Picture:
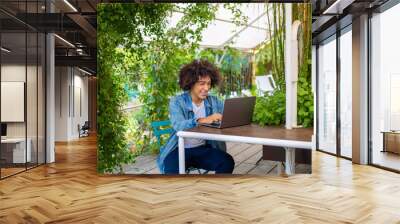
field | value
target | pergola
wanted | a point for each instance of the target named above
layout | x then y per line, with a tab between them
223	31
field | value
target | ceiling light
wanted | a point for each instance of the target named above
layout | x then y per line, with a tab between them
84	71
5	49
65	41
70	5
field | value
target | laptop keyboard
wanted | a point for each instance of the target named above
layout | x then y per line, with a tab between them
216	124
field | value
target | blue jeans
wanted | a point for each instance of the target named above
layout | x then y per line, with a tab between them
202	157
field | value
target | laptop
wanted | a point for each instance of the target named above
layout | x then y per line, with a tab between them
237	112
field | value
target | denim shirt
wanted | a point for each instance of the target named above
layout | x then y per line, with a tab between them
182	117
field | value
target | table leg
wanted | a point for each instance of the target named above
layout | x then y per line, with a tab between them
181	148
279	168
290	154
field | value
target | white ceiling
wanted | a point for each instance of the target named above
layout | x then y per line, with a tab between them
222	29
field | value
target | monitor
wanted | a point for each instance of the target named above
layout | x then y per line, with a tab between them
265	83
3	129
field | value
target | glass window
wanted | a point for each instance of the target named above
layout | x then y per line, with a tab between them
385	89
22	92
346	93
327	96
14	151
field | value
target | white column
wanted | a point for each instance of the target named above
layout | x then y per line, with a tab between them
360	90
50	94
294	70
288	63
314	90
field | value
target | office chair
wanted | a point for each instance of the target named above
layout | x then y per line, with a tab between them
84	130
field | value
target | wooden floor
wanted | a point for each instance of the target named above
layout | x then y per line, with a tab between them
246	157
10	171
70	191
387	159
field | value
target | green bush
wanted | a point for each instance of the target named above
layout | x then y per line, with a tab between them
305	103
270	109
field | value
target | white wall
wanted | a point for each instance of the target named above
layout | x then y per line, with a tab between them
34	124
9	73
71	93
16	72
62	82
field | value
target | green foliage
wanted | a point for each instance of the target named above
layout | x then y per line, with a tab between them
270	109
233	66
305	107
305	98
161	64
127	63
119	25
270	59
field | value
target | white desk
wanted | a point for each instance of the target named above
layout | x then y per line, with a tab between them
19	149
252	134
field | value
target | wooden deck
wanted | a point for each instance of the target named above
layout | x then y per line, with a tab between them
247	161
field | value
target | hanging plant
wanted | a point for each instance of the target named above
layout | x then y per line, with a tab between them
305	101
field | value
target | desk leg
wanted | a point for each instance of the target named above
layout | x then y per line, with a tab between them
290	154
279	168
181	148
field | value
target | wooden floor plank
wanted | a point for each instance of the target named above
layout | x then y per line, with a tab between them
70	191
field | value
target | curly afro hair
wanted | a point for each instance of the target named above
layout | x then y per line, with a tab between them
191	73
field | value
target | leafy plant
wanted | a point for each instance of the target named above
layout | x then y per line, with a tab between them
127	63
165	56
270	109
119	25
234	67
270	59
305	101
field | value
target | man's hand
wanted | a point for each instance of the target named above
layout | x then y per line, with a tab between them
210	119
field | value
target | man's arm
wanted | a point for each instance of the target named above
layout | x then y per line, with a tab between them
177	117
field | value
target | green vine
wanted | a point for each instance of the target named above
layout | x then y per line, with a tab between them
305	101
119	25
128	63
270	60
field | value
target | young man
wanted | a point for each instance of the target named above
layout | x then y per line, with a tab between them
193	107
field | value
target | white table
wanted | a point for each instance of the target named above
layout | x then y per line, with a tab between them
252	134
19	155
